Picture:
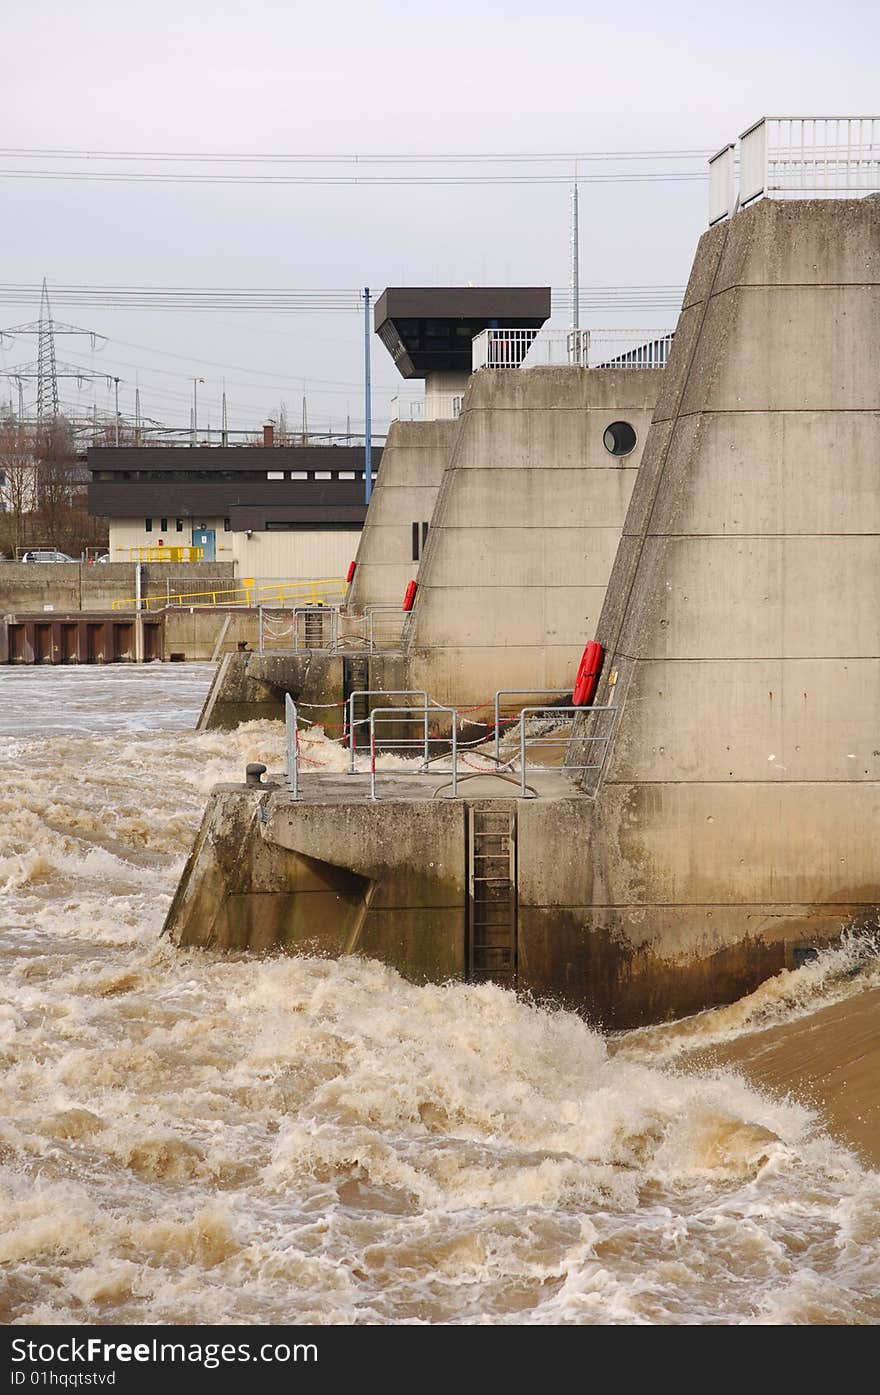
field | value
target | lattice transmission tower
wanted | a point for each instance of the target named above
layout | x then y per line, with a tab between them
47	371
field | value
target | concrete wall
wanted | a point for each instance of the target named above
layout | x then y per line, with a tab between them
413	461
260	877
741	801
525	529
31	586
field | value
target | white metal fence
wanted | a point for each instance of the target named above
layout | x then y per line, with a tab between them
796	157
501	348
584	348
441	407
621	348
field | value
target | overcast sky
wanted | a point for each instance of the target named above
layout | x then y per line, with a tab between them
353	79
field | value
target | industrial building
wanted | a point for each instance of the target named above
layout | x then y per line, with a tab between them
274	511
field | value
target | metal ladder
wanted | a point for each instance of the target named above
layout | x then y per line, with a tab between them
492	893
355	677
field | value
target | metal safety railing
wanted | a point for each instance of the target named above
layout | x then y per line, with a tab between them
620	348
498	704
438	765
550	738
542	740
329	629
501	348
580	348
291	745
361	694
165	554
796	157
247	593
437	407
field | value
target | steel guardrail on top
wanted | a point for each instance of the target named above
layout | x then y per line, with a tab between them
796	157
542	743
248	593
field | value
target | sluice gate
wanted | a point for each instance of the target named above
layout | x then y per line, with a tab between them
79	639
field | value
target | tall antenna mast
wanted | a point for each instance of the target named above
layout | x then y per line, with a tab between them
137	416
224	430
305	421
574	281
47	373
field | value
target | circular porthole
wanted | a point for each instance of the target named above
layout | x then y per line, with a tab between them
619	438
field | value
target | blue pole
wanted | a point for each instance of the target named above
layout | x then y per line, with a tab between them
368	425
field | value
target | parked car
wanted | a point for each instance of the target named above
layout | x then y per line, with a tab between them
46	554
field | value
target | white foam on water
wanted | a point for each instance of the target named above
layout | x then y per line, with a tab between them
192	1138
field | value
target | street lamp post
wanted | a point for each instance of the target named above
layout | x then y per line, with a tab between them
195	430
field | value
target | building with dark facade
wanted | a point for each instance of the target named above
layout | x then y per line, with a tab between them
285	511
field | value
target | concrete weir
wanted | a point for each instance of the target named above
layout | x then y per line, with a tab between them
735	823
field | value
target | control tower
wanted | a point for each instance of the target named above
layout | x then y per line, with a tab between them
429	330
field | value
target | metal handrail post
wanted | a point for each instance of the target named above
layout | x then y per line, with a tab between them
291	731
426	733
351	742
373	753
454	753
522	752
260	626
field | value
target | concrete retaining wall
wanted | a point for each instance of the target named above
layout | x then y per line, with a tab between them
31	586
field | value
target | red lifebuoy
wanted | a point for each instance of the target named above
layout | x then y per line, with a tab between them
587	680
352	568
410	595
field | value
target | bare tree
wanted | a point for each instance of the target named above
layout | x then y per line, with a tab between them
60	479
18	481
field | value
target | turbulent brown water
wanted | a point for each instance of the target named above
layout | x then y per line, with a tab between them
190	1138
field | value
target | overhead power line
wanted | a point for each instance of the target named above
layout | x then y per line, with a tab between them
262	300
302	158
447	181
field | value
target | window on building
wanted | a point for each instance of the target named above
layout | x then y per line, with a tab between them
299	474
148	525
346	475
323	474
227	525
163	525
419	537
179	525
274	474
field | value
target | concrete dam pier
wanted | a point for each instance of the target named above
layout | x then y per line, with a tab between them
731	825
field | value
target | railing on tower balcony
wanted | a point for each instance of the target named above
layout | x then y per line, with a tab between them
583	348
797	157
502	348
441	407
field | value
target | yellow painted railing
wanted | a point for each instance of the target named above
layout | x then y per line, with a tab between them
165	554
248	592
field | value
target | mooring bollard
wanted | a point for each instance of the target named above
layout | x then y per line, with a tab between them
253	775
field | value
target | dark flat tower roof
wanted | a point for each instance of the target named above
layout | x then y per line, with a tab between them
429	329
